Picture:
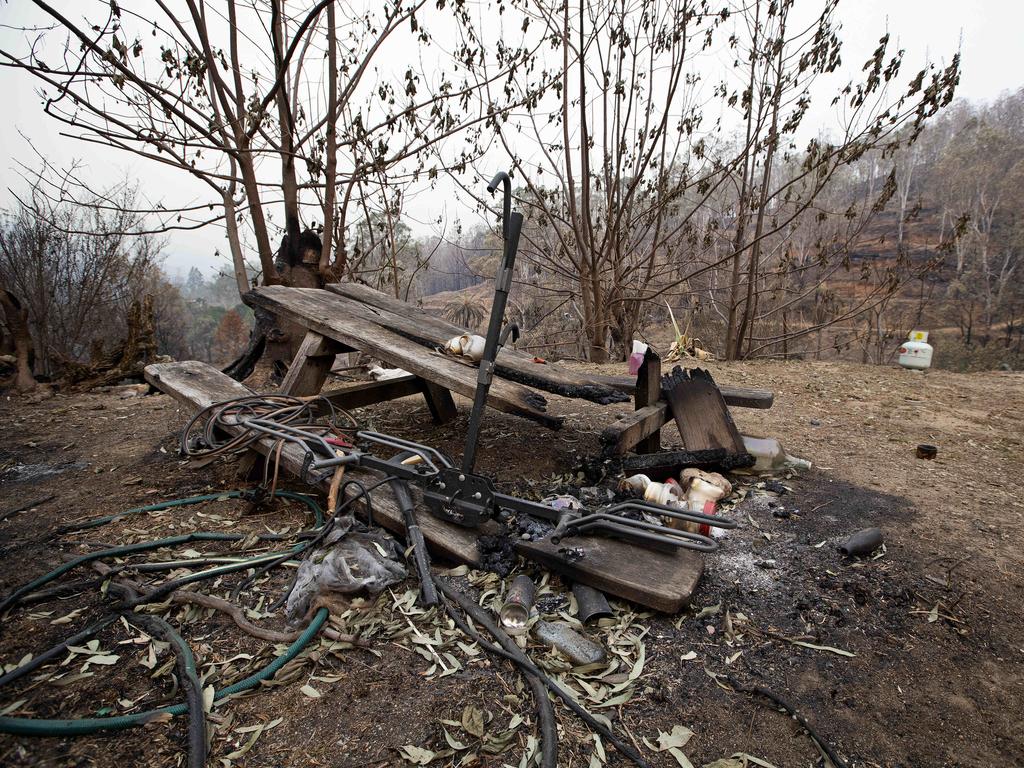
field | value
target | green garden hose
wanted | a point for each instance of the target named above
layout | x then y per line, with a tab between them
98	521
186	662
127	549
24	726
13	598
186	665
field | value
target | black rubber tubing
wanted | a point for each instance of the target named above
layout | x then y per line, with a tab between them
514	653
186	664
545	712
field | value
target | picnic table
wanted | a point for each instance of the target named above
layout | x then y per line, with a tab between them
348	317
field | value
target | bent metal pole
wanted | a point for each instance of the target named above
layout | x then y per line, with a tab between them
511	228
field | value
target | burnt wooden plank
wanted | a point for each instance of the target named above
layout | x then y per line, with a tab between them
623	434
424	328
665	464
739	397
335	318
197	385
700	411
648	392
663	581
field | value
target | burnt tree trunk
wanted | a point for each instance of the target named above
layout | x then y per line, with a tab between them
16	320
298	265
126	360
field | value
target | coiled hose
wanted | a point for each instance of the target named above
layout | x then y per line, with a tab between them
25	726
19	726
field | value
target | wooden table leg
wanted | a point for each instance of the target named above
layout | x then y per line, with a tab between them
439	401
312	363
648	392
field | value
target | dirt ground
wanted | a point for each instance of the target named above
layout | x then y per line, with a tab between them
911	658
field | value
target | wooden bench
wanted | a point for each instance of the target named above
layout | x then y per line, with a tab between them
658	580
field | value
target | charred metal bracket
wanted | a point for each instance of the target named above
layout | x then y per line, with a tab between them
460	498
468	499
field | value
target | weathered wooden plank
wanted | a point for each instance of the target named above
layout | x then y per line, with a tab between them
427	329
439	402
738	397
366	393
621	435
648	392
700	411
663	581
197	385
333	317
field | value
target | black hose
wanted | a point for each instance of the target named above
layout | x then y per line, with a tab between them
15	597
545	712
514	653
792	712
58	650
414	539
186	664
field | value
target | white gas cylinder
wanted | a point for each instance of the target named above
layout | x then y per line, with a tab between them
916	352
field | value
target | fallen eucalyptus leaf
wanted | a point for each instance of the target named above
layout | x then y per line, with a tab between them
678	737
416	755
473	721
751	759
828	648
12	707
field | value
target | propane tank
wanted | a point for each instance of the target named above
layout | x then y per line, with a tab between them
916	352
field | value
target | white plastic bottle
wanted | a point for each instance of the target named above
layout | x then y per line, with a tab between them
770	454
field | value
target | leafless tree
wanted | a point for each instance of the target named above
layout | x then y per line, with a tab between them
268	105
634	195
76	271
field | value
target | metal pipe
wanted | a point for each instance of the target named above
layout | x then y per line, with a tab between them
502	284
590	603
506	207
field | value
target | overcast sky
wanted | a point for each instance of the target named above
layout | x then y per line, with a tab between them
988	32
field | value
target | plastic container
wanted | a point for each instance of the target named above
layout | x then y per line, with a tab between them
769	454
637	484
667	494
636	357
703	492
467	345
916	352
